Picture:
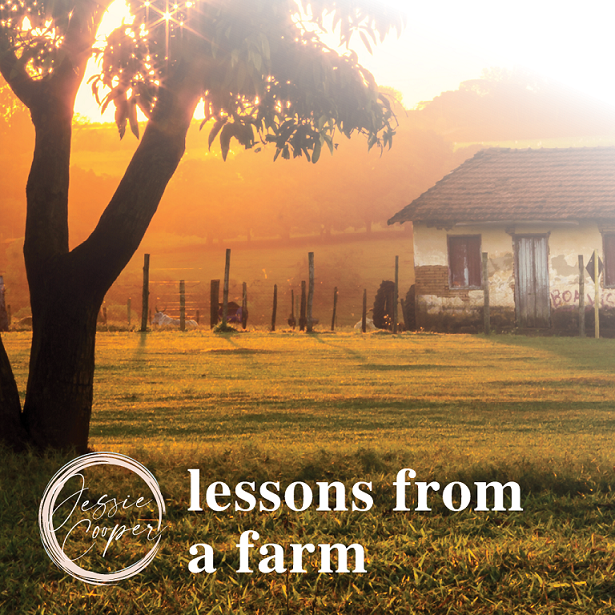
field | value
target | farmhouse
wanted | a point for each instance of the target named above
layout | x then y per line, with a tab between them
533	211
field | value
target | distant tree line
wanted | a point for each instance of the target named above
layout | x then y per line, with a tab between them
247	197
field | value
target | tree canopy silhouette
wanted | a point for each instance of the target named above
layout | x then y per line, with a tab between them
263	76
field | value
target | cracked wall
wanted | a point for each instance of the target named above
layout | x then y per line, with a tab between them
439	307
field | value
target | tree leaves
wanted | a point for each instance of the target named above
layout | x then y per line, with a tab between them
215	130
243	132
132	117
225	139
267	79
121	114
316	151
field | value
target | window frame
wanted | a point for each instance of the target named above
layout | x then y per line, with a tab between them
469	286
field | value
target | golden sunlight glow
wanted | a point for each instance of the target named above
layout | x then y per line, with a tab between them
85	105
448	42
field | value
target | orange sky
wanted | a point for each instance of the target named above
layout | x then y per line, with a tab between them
449	41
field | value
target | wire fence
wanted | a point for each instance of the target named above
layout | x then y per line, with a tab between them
289	303
269	303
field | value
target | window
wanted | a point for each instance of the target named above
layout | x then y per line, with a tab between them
609	260
464	261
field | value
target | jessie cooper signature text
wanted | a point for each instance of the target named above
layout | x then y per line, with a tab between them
105	507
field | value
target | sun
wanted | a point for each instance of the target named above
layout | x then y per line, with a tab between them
85	104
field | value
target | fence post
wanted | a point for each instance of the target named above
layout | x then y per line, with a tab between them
214	303
334	309
302	318
275	306
487	314
244	306
182	305
310	300
596	295
145	301
227	269
364	313
198	317
395	294
292	309
581	297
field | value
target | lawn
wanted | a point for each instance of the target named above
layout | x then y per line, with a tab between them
345	407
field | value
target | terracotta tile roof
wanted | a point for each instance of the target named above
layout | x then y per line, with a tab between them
530	184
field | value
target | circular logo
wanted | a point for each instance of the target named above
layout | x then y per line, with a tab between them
93	525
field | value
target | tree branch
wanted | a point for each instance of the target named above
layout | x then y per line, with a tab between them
124	222
52	107
24	87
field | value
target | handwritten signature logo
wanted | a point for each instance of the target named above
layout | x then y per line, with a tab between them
96	537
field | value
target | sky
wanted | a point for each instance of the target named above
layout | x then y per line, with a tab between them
447	42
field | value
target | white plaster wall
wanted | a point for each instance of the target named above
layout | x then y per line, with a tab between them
565	243
430	248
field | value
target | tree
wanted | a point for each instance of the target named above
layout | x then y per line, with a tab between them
262	77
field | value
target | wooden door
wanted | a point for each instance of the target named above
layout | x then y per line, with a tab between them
532	282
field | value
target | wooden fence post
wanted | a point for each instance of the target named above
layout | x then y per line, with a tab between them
292	322
214	303
310	300
487	314
334	309
596	295
364	314
302	317
244	306
145	301
581	297
198	317
227	268
182	305
275	306
395	294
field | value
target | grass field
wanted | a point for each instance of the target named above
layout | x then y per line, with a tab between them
291	407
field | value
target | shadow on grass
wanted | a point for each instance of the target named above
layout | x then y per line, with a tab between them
245	417
582	353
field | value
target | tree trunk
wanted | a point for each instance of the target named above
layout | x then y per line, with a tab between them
61	378
11	428
68	288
